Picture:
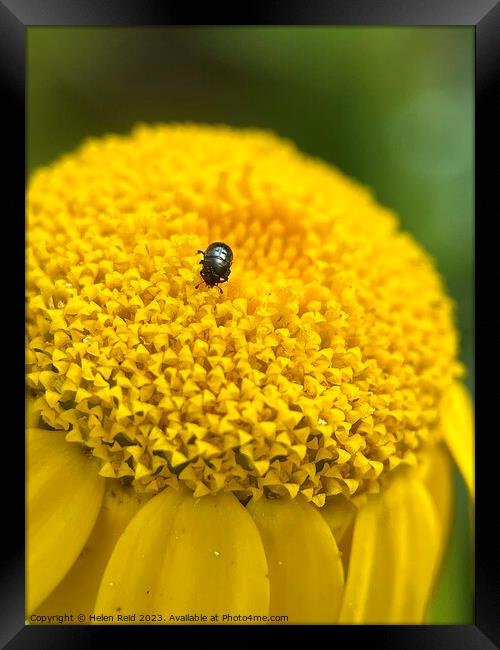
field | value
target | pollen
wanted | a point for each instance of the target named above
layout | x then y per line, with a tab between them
318	371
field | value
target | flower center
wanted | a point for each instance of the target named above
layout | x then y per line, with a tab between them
318	372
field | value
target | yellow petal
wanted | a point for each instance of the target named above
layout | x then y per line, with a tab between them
77	592
435	471
457	425
216	562
393	557
305	570
184	555
64	498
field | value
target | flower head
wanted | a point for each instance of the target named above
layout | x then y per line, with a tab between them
282	407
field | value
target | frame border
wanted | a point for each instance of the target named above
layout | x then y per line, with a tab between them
484	16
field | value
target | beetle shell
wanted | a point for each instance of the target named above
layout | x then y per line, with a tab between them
216	263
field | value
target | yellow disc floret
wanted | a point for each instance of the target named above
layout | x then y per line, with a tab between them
317	372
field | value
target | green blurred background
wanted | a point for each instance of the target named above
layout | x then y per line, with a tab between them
390	106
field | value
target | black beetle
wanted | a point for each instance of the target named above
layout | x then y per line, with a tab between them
216	264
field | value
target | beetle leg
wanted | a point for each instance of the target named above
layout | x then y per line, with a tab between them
202	252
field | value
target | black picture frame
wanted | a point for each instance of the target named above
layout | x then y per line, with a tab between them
15	17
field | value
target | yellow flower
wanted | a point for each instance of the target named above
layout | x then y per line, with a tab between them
277	451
